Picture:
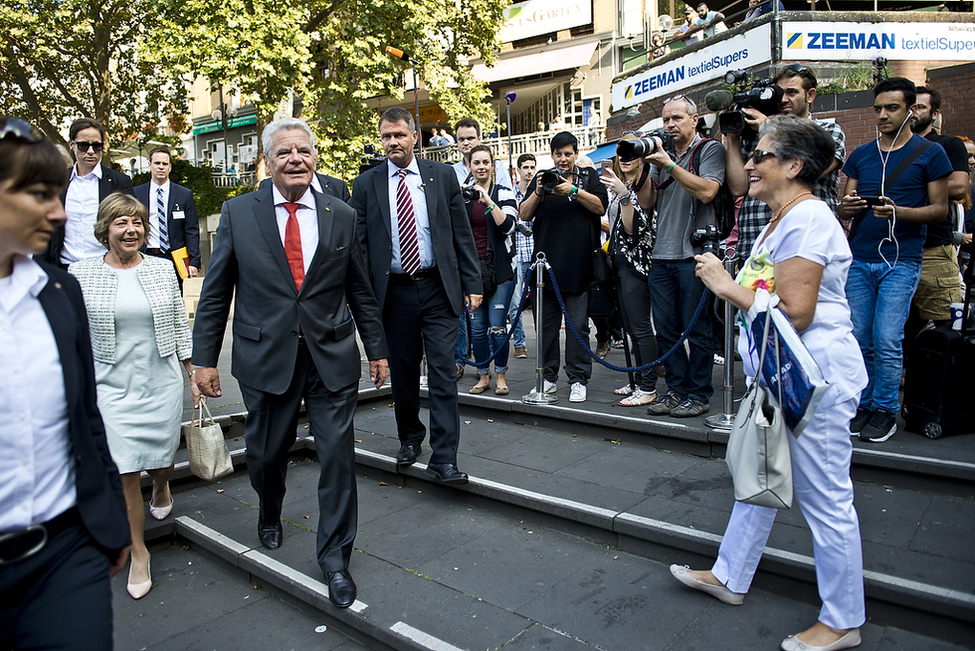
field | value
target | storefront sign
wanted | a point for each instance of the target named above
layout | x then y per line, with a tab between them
535	17
821	41
692	69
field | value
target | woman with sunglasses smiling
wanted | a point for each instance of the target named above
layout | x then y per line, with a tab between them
89	184
63	529
802	256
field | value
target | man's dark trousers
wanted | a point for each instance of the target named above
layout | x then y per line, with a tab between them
418	317
675	293
270	430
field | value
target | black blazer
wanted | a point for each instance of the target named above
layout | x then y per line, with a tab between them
182	232
110	182
450	229
269	311
100	499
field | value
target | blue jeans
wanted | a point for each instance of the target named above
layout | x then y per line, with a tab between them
675	293
460	349
519	333
489	328
880	297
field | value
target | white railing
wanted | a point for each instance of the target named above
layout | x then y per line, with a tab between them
525	143
225	180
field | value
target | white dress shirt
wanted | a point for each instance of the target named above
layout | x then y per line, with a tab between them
152	241
307	222
37	479
414	183
81	206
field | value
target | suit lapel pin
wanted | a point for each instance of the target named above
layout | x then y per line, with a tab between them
57	285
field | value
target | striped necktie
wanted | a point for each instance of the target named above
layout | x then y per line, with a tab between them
409	247
161	218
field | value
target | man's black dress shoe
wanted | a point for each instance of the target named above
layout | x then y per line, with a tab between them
446	473
341	588
270	534
407	454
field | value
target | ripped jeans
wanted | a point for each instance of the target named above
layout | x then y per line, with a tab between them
489	328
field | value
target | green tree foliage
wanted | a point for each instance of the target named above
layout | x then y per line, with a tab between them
208	198
351	64
64	59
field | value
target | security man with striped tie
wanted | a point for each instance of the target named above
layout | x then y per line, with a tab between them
419	249
173	222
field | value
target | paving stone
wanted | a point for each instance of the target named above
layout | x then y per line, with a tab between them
947	529
542	638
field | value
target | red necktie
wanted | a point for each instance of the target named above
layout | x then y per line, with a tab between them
409	248
292	244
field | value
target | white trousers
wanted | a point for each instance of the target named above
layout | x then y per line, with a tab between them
824	491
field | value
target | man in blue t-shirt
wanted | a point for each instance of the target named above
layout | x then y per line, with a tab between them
886	241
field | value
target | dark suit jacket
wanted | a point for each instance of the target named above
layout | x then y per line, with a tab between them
330	185
182	232
110	182
450	229
100	500
269	312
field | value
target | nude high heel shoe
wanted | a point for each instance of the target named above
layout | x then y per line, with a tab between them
138	590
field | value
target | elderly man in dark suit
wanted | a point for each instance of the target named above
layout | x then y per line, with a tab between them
88	185
419	248
63	527
294	260
173	222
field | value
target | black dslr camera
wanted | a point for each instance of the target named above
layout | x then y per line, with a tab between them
371	159
763	96
629	150
468	192
707	238
548	179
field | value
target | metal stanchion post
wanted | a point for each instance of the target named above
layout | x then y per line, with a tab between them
538	396
726	419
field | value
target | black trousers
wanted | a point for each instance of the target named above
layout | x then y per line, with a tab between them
578	364
270	430
417	316
60	598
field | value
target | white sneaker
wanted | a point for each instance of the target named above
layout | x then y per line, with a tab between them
550	387
577	392
718	359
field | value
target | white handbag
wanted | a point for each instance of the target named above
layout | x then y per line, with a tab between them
758	447
207	449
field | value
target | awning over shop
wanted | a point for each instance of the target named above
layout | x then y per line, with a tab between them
529	65
602	152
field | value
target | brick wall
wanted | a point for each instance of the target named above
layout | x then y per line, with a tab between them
956	83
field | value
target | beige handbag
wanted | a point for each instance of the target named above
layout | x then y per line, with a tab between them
758	447
207	449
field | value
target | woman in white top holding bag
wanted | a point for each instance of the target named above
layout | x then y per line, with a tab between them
803	257
140	337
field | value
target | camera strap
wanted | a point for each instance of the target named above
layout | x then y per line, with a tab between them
889	183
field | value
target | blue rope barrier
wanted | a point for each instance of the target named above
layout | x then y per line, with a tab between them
568	322
627	369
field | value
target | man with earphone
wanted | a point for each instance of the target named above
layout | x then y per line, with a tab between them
896	186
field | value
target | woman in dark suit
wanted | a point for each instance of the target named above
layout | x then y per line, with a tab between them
62	515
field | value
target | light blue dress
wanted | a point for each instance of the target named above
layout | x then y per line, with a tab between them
140	396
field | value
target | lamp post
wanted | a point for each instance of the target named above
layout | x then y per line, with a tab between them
406	58
221	114
508	99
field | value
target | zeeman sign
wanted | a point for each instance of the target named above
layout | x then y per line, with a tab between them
858	41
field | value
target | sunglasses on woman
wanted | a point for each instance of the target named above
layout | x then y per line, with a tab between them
760	154
86	146
21	130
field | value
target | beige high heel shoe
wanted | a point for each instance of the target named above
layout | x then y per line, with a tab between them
138	590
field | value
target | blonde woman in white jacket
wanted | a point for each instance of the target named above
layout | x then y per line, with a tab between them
139	336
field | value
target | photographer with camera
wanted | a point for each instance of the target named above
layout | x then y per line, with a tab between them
798	84
685	227
566	204
493	212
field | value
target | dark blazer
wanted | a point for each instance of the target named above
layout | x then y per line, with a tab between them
100	499
450	229
269	312
182	232
330	185
110	182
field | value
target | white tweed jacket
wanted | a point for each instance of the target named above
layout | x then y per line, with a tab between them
99	285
